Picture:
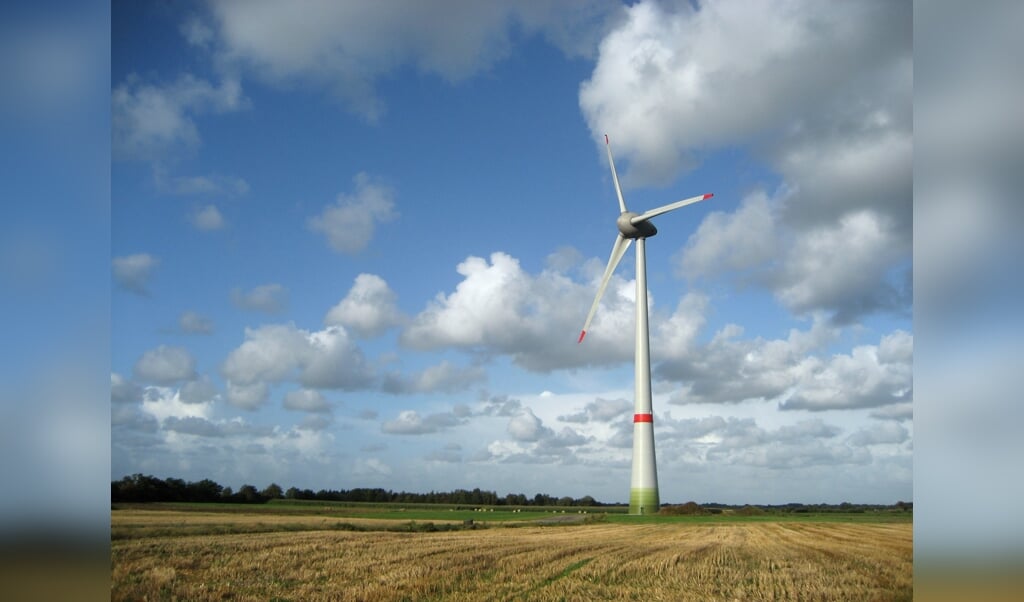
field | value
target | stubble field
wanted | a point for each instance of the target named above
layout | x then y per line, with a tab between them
189	555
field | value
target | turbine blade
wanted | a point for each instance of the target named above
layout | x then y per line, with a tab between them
643	217
618	250
615	176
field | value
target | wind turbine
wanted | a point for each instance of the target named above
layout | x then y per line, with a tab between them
643	487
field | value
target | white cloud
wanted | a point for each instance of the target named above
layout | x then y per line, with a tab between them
870	376
165	365
880	434
123	390
349	223
852	266
843	267
249	396
601	410
165	402
345	47
736	241
200	390
500	309
208	219
150	121
822	93
442	378
673	79
525	426
306	400
132	272
192	425
898	412
194	323
267	298
326	359
729	369
368	309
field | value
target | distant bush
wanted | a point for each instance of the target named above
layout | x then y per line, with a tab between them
687	509
750	511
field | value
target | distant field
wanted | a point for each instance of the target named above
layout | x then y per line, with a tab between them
282	552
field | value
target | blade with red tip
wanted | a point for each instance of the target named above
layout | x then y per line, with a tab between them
646	215
618	250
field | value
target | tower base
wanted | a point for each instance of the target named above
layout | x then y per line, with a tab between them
644	501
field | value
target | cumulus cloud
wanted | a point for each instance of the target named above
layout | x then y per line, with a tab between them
132	272
267	298
738	241
730	369
368	309
191	322
208	219
884	433
525	426
349	223
899	412
870	376
500	309
674	78
600	410
844	267
324	359
442	378
192	425
501	405
732	441
853	266
164	402
151	121
200	390
250	396
410	422
345	48
165	365
123	390
532	442
306	400
832	115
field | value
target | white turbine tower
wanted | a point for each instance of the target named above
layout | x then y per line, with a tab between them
643	488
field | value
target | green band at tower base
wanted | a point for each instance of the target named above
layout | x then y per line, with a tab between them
644	501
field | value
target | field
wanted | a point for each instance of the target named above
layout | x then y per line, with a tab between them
330	553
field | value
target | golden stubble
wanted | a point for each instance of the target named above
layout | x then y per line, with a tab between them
730	561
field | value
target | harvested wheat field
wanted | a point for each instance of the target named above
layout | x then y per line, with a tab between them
783	560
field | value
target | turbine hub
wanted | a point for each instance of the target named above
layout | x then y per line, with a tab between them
644	229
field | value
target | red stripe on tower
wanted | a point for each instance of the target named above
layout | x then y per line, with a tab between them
643	417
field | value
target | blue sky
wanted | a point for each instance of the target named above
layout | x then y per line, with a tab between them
354	247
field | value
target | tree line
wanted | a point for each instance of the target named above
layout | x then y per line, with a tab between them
146	488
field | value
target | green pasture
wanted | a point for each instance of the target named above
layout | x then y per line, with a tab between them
494	514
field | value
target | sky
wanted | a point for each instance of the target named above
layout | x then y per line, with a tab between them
353	245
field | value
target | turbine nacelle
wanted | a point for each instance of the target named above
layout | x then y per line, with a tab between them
634	228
